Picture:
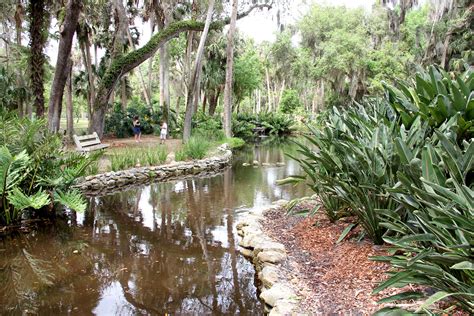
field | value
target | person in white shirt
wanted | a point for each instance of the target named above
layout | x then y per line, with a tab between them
163	132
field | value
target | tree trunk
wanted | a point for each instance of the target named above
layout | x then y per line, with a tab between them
269	93
69	106
19	76
73	8
39	23
194	80
204	101
123	93
213	102
229	72
140	75
164	83
90	76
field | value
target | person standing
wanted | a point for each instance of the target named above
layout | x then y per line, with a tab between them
137	129
163	132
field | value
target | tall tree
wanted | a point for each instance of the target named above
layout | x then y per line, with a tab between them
69	105
229	72
123	64
68	28
194	80
39	23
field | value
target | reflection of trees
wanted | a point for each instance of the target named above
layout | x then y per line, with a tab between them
176	265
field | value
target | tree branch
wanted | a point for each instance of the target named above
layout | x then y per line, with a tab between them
126	63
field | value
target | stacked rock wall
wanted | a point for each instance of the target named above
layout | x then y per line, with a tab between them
269	258
104	183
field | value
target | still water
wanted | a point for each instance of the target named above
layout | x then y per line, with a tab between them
156	249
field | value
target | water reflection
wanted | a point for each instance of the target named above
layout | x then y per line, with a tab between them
161	248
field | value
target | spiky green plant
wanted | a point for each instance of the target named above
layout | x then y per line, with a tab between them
35	171
436	96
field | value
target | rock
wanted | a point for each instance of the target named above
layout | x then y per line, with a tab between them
271	256
277	292
266	244
250	240
255	163
280	164
246	252
245	164
266	164
283	307
269	276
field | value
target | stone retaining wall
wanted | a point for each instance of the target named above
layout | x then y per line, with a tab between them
105	183
269	258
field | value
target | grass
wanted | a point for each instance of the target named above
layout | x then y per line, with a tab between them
195	148
127	158
235	142
79	125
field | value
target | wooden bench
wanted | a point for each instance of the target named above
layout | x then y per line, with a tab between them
89	143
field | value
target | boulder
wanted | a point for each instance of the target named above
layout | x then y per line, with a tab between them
271	256
283	308
269	276
277	292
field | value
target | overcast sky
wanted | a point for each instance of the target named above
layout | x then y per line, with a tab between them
259	25
262	26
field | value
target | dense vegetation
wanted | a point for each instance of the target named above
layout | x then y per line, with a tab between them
35	172
404	166
391	136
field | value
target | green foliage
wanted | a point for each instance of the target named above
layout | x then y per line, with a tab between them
289	101
247	74
235	142
243	125
35	172
433	246
436	98
196	148
130	158
10	92
408	177
207	127
276	123
120	123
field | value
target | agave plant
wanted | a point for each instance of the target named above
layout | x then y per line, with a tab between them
433	245
435	97
35	172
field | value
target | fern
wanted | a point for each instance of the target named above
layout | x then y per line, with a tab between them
72	199
21	201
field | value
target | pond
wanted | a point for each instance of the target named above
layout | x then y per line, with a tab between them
160	248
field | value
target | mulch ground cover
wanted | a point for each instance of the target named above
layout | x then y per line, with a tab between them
340	276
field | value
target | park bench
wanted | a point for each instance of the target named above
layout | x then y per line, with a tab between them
89	143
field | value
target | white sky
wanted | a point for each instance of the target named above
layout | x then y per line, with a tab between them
262	26
259	25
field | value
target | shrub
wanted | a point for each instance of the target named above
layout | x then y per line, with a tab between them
195	148
436	98
243	129
289	101
119	122
235	142
404	167
35	172
277	123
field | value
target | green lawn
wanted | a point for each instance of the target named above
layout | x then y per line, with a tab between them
79	125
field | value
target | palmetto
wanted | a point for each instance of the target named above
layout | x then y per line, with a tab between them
35	172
